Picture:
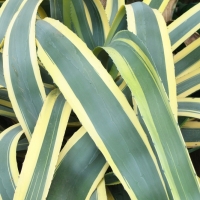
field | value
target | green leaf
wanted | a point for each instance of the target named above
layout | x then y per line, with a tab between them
39	164
184	26
22	74
7	11
95	89
157	4
112	7
187	60
134	63
150	27
79	169
8	168
189	107
188	83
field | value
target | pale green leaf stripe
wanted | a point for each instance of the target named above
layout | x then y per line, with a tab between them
79	165
150	27
7	11
188	85
22	75
191	134
189	57
189	107
2	80
184	26
38	168
66	58
128	53
112	7
157	4
8	167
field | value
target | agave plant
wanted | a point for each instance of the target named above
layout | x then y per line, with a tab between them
89	99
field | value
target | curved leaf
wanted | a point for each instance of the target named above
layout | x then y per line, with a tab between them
187	60
184	26
39	164
95	89
189	107
8	168
150	27
134	64
80	165
22	74
112	7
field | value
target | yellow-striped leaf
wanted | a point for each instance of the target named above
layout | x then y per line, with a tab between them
184	26
133	62
188	83
157	4
112	7
80	165
189	107
8	167
39	165
22	74
7	11
187	60
87	86
150	27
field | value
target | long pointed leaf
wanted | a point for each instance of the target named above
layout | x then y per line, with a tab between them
130	56
114	127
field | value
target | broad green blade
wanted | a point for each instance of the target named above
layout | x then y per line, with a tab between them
7	11
65	57
188	83
157	4
111	179
184	26
112	7
22	74
39	165
2	80
8	169
187	60
189	107
150	27
134	64
80	165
